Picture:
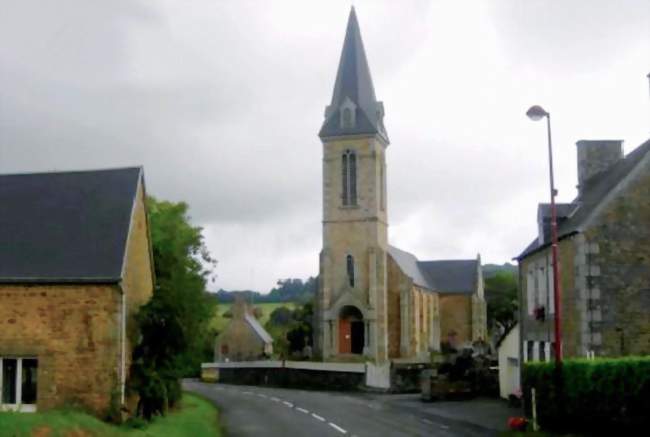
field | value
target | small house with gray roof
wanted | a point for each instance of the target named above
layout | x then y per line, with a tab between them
244	338
604	259
75	266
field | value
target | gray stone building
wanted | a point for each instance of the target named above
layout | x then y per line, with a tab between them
604	248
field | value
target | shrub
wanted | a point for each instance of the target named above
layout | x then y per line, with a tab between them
603	395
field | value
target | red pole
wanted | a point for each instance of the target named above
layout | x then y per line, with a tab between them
554	251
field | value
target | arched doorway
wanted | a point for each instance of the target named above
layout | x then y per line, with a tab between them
351	331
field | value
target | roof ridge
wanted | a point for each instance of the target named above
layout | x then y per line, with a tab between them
53	172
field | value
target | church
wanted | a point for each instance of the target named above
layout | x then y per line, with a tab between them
375	301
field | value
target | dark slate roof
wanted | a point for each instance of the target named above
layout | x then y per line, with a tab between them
353	81
592	194
452	276
411	267
67	227
444	276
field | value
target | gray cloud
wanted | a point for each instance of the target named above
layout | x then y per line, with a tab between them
221	102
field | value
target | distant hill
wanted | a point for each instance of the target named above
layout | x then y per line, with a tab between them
288	290
490	270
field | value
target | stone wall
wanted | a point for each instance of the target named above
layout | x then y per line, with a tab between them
618	292
359	231
456	317
73	331
543	330
397	281
294	378
138	278
413	316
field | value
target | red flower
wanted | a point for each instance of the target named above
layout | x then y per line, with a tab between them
517	423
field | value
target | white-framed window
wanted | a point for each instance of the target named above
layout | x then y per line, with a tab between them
541	286
349	178
530	291
18	383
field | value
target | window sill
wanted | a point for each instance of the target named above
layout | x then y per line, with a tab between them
349	207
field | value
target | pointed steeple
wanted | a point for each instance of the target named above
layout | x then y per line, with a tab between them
354	108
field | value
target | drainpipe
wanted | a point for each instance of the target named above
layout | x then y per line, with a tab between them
123	347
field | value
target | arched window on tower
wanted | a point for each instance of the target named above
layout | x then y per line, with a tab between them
349	178
350	268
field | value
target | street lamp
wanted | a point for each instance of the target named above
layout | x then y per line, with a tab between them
536	113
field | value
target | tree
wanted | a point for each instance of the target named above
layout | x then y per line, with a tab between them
291	330
501	292
175	337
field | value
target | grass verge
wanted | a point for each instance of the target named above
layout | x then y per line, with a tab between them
195	417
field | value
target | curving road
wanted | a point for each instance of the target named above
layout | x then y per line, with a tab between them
274	412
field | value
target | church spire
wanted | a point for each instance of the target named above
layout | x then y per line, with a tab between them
354	108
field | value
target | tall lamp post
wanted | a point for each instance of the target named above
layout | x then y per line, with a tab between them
536	113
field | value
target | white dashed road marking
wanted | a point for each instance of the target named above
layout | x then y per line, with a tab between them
427	421
444	427
302	410
338	428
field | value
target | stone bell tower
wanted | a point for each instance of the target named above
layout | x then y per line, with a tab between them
351	303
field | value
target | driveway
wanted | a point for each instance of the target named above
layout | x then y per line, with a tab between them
265	411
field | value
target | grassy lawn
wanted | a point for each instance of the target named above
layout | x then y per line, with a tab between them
220	322
196	417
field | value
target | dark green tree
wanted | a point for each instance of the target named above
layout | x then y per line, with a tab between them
175	337
501	291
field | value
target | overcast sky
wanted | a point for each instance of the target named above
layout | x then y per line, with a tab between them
221	101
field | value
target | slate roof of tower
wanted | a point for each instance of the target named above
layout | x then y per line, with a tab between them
444	276
594	192
65	227
353	81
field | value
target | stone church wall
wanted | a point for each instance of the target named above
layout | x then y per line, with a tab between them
456	318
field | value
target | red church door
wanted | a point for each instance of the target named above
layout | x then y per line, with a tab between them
345	336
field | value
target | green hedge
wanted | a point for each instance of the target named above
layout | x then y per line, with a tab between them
596	396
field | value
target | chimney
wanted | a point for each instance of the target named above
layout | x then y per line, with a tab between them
596	156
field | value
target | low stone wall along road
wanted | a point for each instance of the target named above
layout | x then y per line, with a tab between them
275	412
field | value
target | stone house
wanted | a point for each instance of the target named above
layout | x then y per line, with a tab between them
604	250
244	339
75	265
375	300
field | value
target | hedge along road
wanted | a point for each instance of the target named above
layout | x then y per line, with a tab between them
274	412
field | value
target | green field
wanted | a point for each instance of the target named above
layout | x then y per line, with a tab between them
219	322
195	417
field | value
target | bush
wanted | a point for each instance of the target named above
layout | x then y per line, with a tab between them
596	396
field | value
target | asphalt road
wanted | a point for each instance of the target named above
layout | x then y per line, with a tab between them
274	412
